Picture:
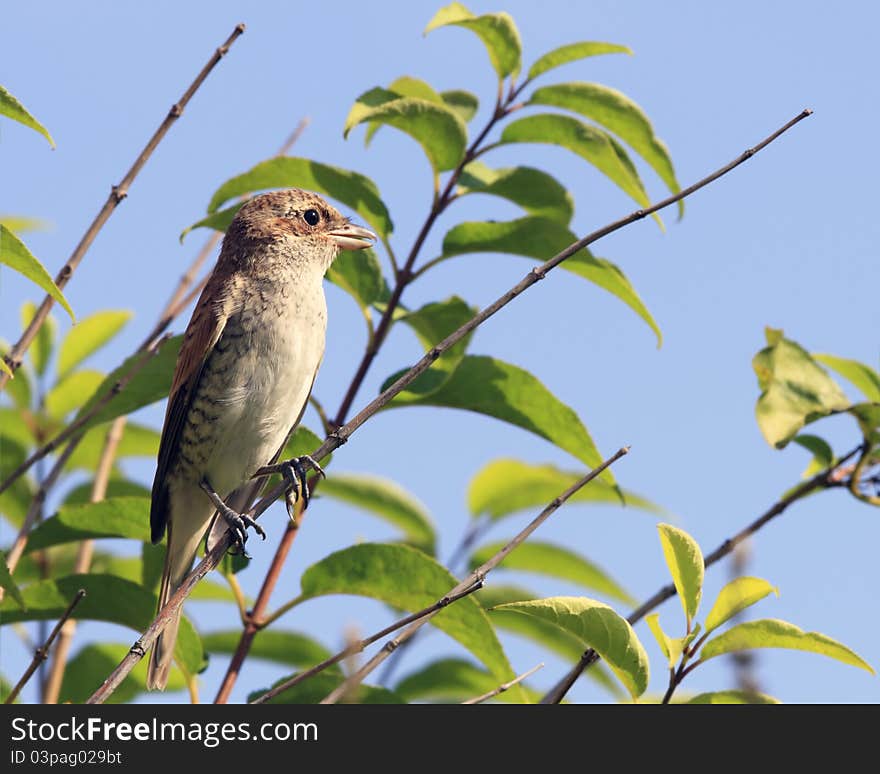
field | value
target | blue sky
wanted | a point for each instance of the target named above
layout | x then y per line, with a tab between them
789	240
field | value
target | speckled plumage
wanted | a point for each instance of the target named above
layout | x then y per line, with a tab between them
246	367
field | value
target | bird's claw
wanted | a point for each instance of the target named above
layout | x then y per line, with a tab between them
294	472
238	522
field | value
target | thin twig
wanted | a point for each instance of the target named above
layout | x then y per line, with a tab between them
42	653
117	194
476	576
341	436
504	686
83	560
825	479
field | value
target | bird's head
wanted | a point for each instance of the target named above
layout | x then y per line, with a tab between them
301	220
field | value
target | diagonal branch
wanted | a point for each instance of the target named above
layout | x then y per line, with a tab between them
504	686
117	194
341	435
825	479
475	577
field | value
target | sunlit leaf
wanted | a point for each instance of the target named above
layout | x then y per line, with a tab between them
862	376
541	239
71	392
672	647
507	486
119	517
571	53
436	127
283	647
556	562
823	454
88	336
7	583
795	390
12	108
406	86
588	142
350	188
617	113
733	697
21	223
453	680
19	387
17	257
685	562
535	191
315	688
388	501
40	350
598	627
462	102
497	31
497	389
735	597
108	598
773	633
359	274
410	580
137	441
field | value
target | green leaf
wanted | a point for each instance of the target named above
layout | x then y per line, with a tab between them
598	627
86	670
219	221
735	597
410	580
108	598
437	128
22	223
137	441
432	323
617	113
151	382
795	390
535	191
555	562
7	583
406	86
685	562
12	108
773	633
19	386
462	102
16	500
303	441
315	688
359	274
350	188
388	501
571	53
17	257
41	347
672	647
451	680
588	142
542	632
823	454
497	31
88	336
117	517
71	392
862	376
507	486
733	697
541	239
282	647
497	389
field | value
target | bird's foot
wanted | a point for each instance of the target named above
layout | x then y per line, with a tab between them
238	522
294	473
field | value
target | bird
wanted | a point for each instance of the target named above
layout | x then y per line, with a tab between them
244	373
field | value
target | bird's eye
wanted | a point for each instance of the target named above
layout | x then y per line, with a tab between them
312	217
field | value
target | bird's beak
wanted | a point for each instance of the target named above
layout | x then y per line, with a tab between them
350	237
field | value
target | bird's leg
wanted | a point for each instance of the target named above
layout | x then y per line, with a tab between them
294	473
238	522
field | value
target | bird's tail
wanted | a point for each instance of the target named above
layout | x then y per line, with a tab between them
183	544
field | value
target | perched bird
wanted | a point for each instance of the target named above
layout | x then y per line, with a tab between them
246	367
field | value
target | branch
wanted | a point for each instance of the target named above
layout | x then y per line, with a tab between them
504	686
341	436
42	653
359	646
476	576
117	194
83	560
826	479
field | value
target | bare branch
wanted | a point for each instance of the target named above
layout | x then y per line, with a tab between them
826	479
117	194
42	653
504	686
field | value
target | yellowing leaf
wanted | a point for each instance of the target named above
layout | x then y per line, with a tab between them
685	562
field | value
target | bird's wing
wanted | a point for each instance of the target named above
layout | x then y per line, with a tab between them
202	333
